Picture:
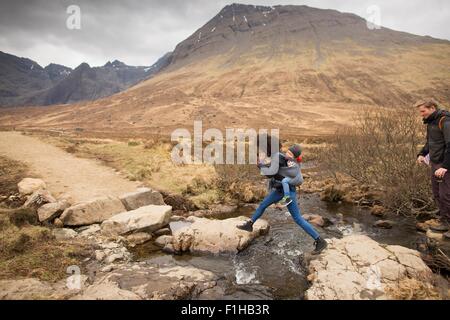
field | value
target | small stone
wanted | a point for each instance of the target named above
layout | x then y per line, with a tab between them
29	185
107	268
435	235
52	210
422	226
114	257
378	211
64	234
384	224
58	223
99	255
38	199
161	241
138	238
162	232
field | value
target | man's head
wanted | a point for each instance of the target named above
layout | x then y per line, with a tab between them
426	108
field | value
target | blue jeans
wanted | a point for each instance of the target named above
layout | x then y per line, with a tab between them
275	196
285	184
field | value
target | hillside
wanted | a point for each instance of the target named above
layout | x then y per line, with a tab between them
298	68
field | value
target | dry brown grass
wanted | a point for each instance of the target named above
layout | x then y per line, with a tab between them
28	250
11	172
380	151
413	289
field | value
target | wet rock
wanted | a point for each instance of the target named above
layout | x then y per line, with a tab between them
38	199
52	210
216	236
29	185
314	219
378	211
384	224
94	211
138	238
148	219
162	241
141	198
64	234
162	232
357	267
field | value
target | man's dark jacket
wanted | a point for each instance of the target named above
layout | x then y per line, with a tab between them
438	138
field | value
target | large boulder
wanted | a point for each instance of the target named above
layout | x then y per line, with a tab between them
216	236
94	211
141	198
147	219
357	267
29	185
52	210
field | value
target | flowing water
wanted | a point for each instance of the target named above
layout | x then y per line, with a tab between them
272	266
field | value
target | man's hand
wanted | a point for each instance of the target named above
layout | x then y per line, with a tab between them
439	173
420	159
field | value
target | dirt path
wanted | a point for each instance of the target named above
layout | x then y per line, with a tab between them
81	179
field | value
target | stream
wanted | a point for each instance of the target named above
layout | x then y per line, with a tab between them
271	267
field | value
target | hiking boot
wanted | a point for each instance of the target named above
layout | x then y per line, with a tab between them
285	201
320	244
442	227
247	226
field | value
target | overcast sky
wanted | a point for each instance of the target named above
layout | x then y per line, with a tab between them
138	32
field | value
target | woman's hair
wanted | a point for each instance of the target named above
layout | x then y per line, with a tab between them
267	145
427	104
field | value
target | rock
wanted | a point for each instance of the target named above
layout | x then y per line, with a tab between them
138	238
39	198
446	235
385	224
357	267
58	223
29	185
134	281
90	230
162	241
99	255
148	219
377	211
49	211
64	234
106	291
422	226
24	289
177	218
116	256
141	198
314	219
107	268
438	236
162	232
94	211
216	236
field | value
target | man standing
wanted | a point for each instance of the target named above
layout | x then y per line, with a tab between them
438	148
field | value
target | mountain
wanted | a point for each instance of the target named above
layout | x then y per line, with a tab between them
24	82
302	69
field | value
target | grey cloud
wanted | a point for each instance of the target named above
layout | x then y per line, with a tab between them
139	32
